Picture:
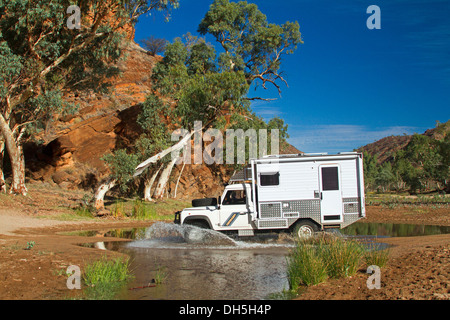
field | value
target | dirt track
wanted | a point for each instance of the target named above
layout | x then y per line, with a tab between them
418	268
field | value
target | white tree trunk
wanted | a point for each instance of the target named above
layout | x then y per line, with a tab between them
16	158
178	181
163	179
101	191
148	185
176	147
2	176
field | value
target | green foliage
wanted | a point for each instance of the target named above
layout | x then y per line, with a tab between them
85	212
305	267
370	169
342	257
207	86
194	83
105	270
149	118
377	257
252	121
161	275
385	176
10	67
141	211
251	44
122	166
105	277
213	88
188	76
30	245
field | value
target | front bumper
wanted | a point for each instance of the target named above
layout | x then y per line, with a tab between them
177	219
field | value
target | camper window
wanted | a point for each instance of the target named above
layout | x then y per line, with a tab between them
330	178
269	179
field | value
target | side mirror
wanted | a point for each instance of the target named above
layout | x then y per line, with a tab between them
219	202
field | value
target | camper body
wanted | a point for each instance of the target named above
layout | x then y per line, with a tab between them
300	193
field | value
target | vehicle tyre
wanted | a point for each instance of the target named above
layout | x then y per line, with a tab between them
304	229
195	235
204	202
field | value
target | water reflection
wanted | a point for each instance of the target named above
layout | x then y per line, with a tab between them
393	230
202	274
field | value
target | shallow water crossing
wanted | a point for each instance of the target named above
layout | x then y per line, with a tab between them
197	264
200	264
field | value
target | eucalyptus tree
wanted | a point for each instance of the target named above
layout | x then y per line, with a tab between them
194	83
41	57
206	86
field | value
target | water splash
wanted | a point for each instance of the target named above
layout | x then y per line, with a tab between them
167	235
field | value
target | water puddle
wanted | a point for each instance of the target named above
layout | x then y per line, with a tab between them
200	264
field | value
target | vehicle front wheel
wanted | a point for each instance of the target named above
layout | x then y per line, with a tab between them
305	229
198	223
196	234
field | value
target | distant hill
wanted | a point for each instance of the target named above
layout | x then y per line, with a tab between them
385	148
418	162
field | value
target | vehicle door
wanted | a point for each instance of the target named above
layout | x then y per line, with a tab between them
330	193
234	213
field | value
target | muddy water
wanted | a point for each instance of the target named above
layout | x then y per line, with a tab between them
204	266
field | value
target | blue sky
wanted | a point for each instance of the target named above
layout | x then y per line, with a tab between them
348	85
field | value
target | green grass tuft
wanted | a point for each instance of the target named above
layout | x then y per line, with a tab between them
106	271
314	261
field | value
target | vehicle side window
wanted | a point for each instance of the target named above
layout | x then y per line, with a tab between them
234	197
269	179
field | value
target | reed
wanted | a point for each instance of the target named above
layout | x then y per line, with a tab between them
305	267
377	257
318	259
107	271
342	257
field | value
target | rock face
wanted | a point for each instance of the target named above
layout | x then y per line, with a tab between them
73	147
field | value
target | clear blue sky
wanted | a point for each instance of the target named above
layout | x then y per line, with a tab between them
348	85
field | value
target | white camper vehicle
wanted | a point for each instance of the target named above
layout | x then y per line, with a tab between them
298	193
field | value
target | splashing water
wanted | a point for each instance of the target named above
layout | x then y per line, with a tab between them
167	235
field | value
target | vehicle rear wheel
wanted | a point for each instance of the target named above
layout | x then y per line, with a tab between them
304	229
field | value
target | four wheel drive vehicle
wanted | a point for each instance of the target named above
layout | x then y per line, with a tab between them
297	193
